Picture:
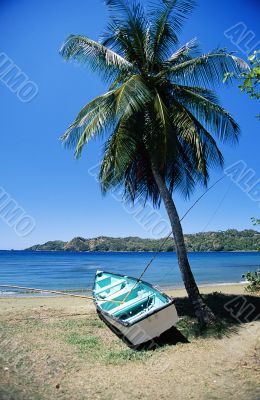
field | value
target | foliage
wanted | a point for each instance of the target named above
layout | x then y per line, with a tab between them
250	80
255	221
230	240
253	277
254	280
161	108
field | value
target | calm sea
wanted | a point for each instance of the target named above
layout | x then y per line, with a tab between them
61	271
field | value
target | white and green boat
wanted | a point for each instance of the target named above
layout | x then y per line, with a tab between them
133	309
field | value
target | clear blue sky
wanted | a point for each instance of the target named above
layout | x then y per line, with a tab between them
44	178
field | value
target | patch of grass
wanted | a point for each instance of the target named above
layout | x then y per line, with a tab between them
33	323
123	356
72	323
96	323
191	329
83	342
79	323
230	310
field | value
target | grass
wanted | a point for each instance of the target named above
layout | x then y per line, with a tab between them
83	342
190	328
230	310
87	340
96	348
85	335
123	356
78	323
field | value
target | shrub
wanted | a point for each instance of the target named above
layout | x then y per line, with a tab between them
253	278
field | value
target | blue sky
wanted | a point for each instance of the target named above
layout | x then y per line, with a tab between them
45	180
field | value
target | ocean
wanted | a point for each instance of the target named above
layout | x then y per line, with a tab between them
76	271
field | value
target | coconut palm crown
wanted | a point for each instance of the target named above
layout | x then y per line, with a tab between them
160	107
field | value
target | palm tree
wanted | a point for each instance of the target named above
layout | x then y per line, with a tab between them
160	118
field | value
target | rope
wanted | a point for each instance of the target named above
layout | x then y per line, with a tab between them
167	237
218	206
46	291
203	194
56	292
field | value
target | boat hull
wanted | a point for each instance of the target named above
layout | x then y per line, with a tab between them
146	330
136	311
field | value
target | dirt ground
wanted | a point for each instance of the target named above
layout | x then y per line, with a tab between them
57	348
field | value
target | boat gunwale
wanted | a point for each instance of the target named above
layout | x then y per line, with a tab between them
149	314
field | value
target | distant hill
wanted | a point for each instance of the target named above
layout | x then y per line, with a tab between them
230	240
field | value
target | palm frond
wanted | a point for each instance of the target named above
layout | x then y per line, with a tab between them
198	149
120	150
208	94
128	30
162	114
98	57
184	53
119	8
119	80
211	115
211	152
93	119
205	70
167	22
132	95
166	129
188	132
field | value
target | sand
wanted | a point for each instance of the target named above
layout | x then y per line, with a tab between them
56	348
62	302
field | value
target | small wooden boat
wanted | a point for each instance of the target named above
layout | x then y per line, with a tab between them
135	310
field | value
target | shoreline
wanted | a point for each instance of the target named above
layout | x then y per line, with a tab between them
123	251
230	287
76	304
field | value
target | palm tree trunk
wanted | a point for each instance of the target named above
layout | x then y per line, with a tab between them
202	311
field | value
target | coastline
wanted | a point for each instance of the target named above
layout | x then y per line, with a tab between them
124	251
229	288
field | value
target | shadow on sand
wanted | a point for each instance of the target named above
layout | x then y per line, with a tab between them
230	310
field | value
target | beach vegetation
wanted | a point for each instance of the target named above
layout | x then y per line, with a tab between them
255	221
253	279
249	80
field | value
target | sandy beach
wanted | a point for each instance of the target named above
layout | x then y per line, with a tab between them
57	348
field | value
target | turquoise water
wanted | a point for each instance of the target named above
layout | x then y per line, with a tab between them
62	270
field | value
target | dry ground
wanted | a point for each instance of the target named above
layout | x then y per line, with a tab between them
56	348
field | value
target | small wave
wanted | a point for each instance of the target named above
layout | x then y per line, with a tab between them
222	284
4	293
